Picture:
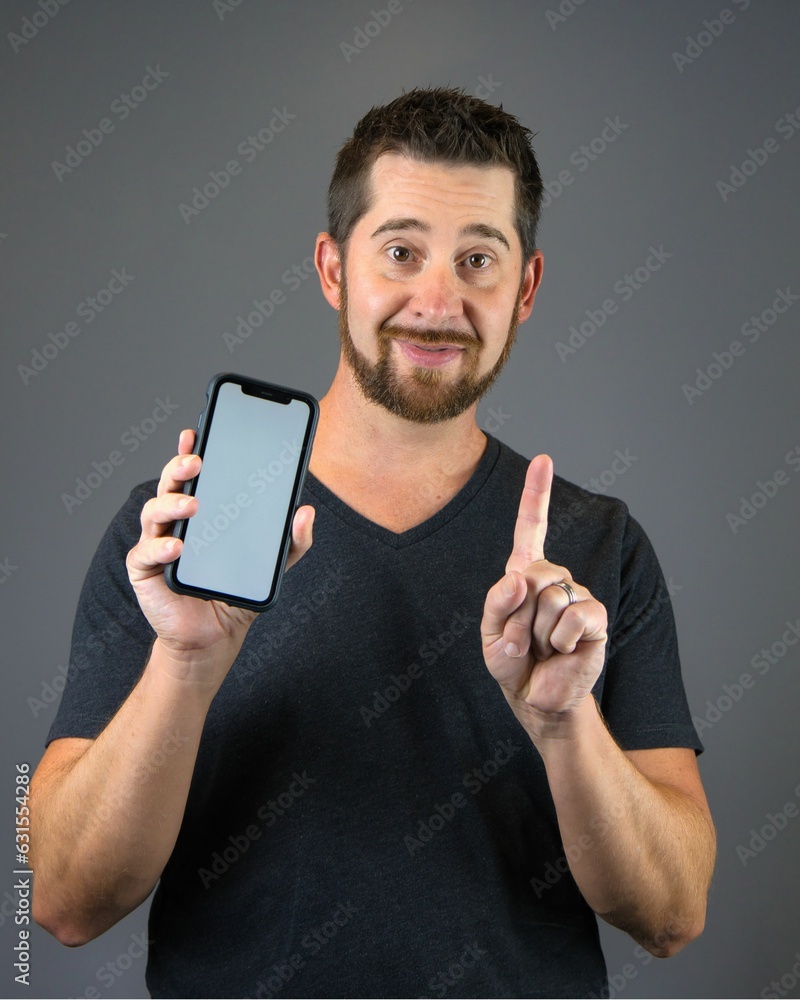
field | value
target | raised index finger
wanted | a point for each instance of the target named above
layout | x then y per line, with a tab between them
531	527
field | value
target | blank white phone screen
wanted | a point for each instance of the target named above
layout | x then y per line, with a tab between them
232	543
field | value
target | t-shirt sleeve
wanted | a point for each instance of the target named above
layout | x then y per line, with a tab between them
111	638
644	700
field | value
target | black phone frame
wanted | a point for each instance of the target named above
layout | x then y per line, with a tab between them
268	390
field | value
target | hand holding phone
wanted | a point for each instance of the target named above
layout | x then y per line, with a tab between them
183	623
255	443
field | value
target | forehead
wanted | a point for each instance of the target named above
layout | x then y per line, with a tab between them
440	193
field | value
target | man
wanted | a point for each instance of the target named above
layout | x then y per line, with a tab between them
399	779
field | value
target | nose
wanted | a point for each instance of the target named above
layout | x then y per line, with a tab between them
436	297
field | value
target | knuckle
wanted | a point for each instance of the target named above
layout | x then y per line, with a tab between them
167	473
518	622
546	573
170	469
133	560
594	609
496	597
549	599
147	510
574	618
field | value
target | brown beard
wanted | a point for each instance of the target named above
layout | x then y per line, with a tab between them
421	396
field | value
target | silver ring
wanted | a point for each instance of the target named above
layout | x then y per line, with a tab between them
570	592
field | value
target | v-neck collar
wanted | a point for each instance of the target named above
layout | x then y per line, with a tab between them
396	540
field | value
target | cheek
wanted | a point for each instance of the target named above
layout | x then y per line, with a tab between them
373	300
494	325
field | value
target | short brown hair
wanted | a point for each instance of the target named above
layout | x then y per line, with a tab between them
437	125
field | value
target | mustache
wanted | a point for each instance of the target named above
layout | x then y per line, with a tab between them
432	337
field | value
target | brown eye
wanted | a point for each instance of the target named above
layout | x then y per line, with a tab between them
477	260
400	254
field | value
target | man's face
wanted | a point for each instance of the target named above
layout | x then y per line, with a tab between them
433	287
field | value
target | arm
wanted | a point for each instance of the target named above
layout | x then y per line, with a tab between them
105	813
640	832
635	827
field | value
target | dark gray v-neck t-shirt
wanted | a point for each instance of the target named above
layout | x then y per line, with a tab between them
366	817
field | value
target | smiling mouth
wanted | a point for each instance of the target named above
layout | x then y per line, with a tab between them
432	348
430	356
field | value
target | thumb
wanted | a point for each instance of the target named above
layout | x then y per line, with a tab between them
302	534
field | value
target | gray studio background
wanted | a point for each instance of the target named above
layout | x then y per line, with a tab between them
682	104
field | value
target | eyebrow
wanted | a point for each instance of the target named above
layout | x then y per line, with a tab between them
473	229
485	232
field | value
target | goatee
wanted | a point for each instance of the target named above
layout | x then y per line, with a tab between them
423	395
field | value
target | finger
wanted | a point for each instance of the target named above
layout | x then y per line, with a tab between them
150	555
505	603
552	604
160	513
528	627
585	621
531	527
186	441
179	469
302	534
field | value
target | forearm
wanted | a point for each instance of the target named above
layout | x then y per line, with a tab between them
641	851
104	826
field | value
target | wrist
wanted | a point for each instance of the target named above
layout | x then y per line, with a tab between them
201	669
553	729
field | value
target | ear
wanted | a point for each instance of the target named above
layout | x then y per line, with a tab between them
531	279
328	261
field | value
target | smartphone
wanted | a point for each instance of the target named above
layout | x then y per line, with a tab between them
255	442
